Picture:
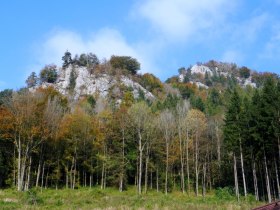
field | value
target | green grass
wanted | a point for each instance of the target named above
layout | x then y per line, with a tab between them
94	198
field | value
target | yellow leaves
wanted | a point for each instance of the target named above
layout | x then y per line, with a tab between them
128	99
196	120
35	130
81	126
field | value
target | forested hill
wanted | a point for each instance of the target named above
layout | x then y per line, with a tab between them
215	125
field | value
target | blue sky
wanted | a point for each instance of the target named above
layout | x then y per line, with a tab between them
163	35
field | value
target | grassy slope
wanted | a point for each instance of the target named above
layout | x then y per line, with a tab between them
85	198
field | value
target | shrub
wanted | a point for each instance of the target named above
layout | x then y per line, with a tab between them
125	63
48	74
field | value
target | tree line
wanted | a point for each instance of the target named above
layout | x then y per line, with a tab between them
49	141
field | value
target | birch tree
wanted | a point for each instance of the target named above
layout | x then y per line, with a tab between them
139	114
197	121
167	126
182	111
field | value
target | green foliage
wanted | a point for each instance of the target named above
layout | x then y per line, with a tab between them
186	90
197	103
83	60
48	74
92	59
5	95
244	72
232	128
214	102
208	80
225	193
91	100
94	198
67	59
32	80
170	102
72	79
89	60
128	98
151	83
141	96
182	70
171	80
31	197
125	63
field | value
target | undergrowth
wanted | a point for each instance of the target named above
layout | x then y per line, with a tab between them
111	198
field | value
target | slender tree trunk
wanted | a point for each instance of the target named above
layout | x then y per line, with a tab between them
75	167
188	169
105	178
278	146
146	170
39	166
123	163
272	186
38	174
151	180
103	173
196	165
102	176
71	173
140	162
66	177
136	174
157	180
14	167
97	174
242	169
255	181
23	167
262	172
235	177
47	178
57	174
181	161
218	145
204	180
27	184
277	179
267	180
19	183
43	174
167	166
90	180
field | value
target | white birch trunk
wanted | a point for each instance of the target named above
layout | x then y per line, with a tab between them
242	169
140	163
277	179
196	165
181	161
166	167
235	177
267	181
255	181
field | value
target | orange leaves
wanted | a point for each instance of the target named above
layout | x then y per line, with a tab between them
6	123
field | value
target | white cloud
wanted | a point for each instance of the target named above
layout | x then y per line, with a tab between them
178	19
103	43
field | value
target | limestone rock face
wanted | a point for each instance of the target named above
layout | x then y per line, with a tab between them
85	83
197	75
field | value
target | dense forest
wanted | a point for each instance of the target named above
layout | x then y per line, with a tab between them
188	138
